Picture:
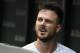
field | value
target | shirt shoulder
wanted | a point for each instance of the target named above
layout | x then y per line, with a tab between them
31	47
63	49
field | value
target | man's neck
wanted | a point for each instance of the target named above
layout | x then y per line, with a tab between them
45	47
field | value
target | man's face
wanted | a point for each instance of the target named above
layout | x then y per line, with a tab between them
46	25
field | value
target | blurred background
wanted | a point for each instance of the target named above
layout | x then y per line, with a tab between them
17	22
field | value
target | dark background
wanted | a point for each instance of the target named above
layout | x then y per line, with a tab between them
17	22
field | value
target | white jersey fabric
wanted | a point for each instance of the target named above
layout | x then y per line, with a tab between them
60	48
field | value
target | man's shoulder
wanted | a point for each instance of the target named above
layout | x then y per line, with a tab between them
63	48
29	46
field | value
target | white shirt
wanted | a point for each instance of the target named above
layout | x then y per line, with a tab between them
60	48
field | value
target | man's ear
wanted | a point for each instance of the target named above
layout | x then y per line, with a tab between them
58	27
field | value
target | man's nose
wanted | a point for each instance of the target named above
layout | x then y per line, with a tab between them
43	22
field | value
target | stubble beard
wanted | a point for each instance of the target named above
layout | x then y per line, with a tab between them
48	38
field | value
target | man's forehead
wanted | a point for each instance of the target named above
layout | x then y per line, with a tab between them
47	13
45	10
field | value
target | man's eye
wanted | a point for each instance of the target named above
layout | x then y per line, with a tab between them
48	21
40	19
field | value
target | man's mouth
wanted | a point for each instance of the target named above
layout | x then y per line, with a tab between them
42	29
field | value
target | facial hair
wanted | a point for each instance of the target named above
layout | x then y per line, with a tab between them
49	37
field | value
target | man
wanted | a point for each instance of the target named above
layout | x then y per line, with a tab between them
48	23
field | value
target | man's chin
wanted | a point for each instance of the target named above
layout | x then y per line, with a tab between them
44	39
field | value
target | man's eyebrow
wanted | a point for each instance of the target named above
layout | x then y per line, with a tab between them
47	20
39	17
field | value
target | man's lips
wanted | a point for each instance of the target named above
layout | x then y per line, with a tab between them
42	30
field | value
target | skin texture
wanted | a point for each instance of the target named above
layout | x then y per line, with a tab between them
46	28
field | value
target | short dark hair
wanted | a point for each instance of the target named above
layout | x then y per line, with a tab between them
53	6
